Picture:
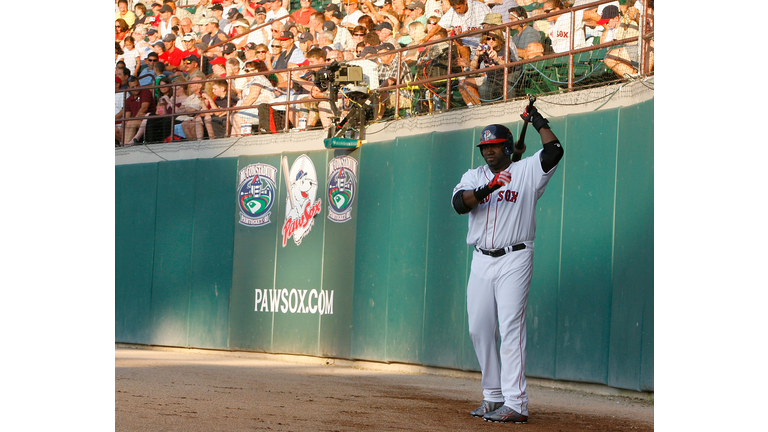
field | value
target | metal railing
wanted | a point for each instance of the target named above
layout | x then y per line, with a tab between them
525	65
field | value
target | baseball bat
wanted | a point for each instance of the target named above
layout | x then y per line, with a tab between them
287	180
520	144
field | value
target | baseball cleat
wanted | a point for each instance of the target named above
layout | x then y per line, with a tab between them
505	414
486	407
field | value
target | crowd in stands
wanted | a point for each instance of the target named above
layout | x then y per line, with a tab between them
158	42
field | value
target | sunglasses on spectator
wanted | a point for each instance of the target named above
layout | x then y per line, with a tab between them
359	34
432	22
150	60
276	46
546	11
261	52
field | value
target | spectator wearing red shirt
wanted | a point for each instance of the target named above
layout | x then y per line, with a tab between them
172	56
302	15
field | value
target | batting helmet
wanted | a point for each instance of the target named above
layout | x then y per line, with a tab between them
496	133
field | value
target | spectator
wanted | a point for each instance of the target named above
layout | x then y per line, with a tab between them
123	13
241	27
171	56
191	64
142	47
258	90
501	7
306	42
315	23
118	53
233	70
416	12
250	54
275	10
119	96
228	6
303	14
216	122
276	30
368	8
167	20
329	9
371	39
153	36
492	86
388	71
212	35
366	22
416	33
232	16
463	16
229	51
325	41
527	39
433	8
140	103
155	19
130	55
624	60
147	76
290	53
191	123
217	12
276	48
384	31
188	44
354	13
560	28
123	74
121	31
142	20
492	20
219	66
369	65
262	35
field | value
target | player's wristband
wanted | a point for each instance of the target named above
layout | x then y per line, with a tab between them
483	191
539	122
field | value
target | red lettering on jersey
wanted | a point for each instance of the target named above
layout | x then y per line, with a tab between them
562	34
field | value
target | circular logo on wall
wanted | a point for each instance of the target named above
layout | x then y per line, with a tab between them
342	188
256	194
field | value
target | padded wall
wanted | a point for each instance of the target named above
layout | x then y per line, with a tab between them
392	277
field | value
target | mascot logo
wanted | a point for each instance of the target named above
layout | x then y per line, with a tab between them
256	194
301	207
342	187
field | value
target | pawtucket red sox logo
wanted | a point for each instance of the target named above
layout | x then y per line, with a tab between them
486	135
256	193
301	207
342	188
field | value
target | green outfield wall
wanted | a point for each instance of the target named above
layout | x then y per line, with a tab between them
373	262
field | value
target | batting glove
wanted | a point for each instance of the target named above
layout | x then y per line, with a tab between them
531	115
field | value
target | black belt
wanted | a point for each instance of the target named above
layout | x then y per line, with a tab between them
499	252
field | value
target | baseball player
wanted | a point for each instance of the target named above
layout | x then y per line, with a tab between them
500	198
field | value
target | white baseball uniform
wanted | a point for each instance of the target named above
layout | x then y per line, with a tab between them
498	286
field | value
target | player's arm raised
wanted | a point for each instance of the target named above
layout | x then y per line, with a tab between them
553	150
465	200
